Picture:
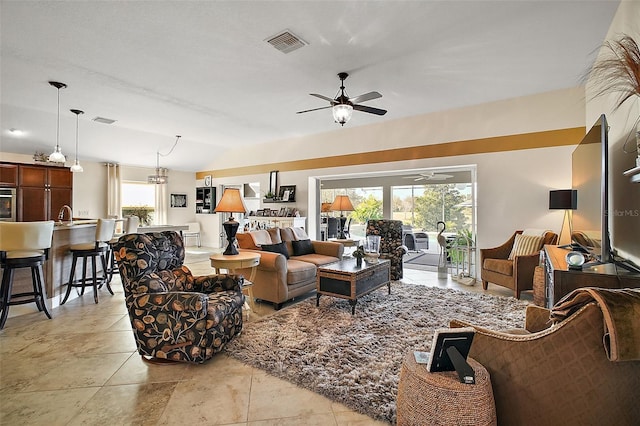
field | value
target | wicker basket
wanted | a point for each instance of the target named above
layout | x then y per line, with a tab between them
440	399
538	286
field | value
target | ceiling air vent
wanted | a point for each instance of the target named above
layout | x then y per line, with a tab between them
286	41
104	120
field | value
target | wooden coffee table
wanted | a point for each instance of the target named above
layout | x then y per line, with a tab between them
346	280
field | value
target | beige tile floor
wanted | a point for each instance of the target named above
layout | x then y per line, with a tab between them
82	368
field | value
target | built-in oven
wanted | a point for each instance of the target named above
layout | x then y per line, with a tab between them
8	204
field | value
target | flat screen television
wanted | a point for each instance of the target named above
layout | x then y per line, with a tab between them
589	175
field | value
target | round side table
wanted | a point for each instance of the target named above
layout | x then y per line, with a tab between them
426	398
238	261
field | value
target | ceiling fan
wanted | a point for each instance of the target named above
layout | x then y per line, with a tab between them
429	176
343	105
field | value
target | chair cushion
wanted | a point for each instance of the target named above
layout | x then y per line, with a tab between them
499	266
276	248
302	247
245	241
525	244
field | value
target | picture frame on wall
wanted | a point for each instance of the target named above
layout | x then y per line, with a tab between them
207	180
178	200
287	193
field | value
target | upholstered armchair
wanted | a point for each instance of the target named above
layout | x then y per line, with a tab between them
391	245
512	264
560	374
176	315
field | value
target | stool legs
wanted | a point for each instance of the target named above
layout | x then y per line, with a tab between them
7	287
96	283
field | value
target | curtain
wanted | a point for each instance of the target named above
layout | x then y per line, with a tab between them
114	200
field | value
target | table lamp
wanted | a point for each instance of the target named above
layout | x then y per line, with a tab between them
567	200
342	203
231	202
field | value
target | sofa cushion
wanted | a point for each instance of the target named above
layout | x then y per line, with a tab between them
316	259
500	266
276	248
245	241
525	244
275	235
302	247
299	271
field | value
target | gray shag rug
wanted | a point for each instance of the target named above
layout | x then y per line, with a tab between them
356	360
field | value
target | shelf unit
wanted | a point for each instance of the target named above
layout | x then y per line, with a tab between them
205	200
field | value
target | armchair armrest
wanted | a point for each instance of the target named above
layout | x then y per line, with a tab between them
523	268
328	248
216	283
500	252
536	319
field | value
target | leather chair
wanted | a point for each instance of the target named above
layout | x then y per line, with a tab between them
557	375
175	315
391	244
515	273
23	245
332	227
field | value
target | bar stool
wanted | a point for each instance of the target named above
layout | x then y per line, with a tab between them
24	245
131	224
98	248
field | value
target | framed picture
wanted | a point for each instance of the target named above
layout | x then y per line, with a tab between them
287	192
273	182
282	211
178	200
274	213
207	180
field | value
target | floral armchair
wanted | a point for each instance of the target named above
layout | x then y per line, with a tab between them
175	315
391	246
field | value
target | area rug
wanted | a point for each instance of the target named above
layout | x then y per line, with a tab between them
356	360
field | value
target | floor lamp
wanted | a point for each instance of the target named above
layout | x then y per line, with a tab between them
567	200
342	203
231	202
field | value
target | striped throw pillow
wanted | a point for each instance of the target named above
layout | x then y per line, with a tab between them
525	244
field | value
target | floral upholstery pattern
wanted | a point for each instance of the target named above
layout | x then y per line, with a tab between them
173	314
391	246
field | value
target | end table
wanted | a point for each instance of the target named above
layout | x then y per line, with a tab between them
241	260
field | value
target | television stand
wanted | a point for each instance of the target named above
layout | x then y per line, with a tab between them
560	280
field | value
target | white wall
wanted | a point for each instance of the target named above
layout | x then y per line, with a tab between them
624	196
513	186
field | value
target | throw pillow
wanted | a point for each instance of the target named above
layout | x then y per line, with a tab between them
276	248
525	244
302	247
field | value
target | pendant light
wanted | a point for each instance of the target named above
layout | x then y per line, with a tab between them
57	156
161	178
77	168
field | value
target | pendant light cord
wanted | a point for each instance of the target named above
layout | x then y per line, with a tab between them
58	124
158	154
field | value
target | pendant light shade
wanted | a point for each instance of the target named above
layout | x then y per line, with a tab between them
342	113
77	168
57	156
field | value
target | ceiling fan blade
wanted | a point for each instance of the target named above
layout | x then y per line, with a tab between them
314	109
333	101
370	110
420	178
365	97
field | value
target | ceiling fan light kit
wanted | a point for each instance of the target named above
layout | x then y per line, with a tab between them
343	106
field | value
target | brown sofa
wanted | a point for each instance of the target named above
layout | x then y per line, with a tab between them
277	278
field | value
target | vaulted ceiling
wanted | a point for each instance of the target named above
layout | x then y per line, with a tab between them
203	70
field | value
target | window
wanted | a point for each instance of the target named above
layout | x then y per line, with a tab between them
139	199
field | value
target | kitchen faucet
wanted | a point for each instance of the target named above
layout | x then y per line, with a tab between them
61	214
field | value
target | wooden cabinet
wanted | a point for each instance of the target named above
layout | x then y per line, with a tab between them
8	175
560	281
42	191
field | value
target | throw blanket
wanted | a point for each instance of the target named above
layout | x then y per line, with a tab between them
621	311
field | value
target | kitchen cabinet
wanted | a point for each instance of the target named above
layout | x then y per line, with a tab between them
42	191
8	175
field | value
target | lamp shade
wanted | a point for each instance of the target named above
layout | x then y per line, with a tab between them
231	202
563	199
342	203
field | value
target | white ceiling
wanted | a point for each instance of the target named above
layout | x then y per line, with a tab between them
202	69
